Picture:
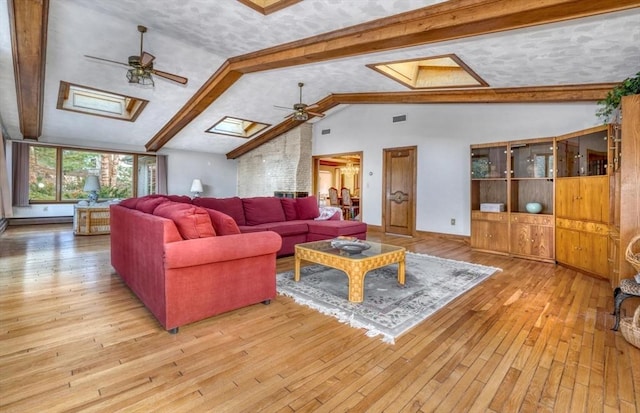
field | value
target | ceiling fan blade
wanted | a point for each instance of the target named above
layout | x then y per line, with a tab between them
106	60
170	76
320	115
146	59
289	115
315	105
282	107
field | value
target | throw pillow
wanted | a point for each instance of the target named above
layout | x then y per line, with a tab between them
230	206
192	222
263	210
223	224
148	204
129	202
307	207
289	207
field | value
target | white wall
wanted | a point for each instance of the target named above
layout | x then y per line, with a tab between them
442	134
218	174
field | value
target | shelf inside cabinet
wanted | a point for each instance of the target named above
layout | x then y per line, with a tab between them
524	191
491	191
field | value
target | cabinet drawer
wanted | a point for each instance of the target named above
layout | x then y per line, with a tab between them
546	220
585	226
489	216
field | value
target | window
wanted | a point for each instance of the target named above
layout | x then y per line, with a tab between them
58	174
447	71
240	128
83	99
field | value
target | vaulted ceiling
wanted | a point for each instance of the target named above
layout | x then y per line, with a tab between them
241	63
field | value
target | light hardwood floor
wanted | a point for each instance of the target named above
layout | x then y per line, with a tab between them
532	338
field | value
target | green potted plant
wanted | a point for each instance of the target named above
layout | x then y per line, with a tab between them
610	105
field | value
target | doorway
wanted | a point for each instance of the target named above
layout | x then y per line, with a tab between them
399	185
340	170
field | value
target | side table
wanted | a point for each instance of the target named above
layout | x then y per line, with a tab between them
91	220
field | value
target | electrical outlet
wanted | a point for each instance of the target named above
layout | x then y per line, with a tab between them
453	221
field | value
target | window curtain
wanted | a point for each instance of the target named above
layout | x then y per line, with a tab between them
161	172
20	174
5	194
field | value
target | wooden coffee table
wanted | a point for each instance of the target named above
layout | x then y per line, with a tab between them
355	266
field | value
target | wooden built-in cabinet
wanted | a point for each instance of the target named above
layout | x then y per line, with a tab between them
624	188
582	200
513	174
588	186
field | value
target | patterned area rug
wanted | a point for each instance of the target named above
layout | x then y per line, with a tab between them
389	309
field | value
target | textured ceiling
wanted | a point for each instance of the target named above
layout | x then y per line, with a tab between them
193	38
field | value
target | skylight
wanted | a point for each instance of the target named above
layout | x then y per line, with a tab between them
96	102
268	6
239	128
446	71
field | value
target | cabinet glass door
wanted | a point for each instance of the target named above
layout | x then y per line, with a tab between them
584	155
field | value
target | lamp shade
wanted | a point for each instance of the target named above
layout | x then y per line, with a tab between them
196	186
91	183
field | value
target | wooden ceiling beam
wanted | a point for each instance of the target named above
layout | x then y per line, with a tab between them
548	94
569	93
445	21
213	88
450	20
28	20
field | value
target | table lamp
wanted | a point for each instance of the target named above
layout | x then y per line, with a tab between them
92	186
196	188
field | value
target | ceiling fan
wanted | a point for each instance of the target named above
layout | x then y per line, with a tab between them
141	66
301	110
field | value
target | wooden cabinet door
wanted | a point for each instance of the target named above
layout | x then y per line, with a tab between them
567	246
593	202
479	232
567	192
541	241
489	235
520	239
593	253
532	240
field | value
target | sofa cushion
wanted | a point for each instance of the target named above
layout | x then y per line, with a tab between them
262	210
192	221
337	228
307	207
289	207
179	198
223	224
229	206
283	228
148	204
129	203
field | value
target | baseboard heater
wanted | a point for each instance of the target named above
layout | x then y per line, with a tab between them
40	220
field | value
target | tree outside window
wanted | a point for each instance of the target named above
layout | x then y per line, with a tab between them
69	168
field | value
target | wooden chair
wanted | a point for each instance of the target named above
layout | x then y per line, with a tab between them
333	197
348	209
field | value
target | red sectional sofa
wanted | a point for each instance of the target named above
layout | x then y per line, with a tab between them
187	263
294	219
187	260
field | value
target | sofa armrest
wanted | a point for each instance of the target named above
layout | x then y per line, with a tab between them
202	251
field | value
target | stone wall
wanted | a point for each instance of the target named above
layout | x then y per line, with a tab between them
282	164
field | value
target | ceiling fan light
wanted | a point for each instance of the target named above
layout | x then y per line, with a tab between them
301	116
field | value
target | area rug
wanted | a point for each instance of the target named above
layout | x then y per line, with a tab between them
388	309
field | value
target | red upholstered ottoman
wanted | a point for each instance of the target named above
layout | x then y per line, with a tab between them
320	230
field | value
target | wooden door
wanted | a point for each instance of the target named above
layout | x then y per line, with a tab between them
593	253
398	210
